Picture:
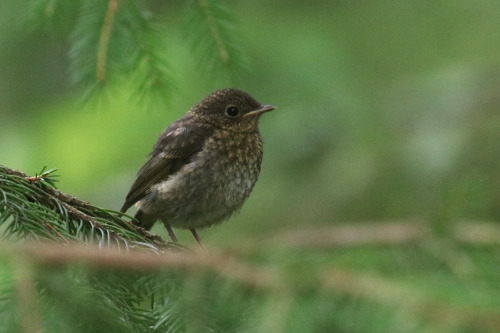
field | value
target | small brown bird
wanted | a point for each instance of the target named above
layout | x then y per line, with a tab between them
203	166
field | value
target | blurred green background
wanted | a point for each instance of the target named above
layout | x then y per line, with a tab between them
386	110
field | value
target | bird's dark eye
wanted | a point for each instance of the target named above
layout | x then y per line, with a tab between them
232	111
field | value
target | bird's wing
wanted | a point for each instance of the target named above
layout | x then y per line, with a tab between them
174	148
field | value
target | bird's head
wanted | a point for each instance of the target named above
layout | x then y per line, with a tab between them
230	109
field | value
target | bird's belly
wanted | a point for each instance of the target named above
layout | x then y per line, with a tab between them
204	192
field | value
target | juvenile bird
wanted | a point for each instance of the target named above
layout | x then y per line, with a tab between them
203	166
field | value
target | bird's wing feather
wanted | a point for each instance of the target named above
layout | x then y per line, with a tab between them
174	148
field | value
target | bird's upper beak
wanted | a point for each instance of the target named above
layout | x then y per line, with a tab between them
261	110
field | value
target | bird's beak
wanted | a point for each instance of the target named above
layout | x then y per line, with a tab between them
261	110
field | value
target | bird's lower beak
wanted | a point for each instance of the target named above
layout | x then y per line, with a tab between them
261	110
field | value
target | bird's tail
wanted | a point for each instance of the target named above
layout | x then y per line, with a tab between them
144	220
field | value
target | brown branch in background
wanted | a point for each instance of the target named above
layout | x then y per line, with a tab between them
379	288
227	266
102	51
477	232
328	236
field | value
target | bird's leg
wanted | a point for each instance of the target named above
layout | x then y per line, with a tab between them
170	232
196	237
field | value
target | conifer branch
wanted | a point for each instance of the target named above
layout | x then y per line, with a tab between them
126	281
216	43
381	289
117	45
102	50
215	31
227	266
37	209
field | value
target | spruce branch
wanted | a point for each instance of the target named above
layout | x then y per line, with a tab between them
118	46
145	288
102	50
150	69
215	30
359	285
84	50
47	176
211	29
32	208
53	16
227	266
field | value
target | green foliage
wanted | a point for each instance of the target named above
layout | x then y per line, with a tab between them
52	16
30	208
394	277
210	27
387	110
112	42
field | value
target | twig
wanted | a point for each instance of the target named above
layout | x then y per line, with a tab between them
215	31
54	254
50	197
478	232
102	51
370	286
352	234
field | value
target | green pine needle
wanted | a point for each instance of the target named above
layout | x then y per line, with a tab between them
211	29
